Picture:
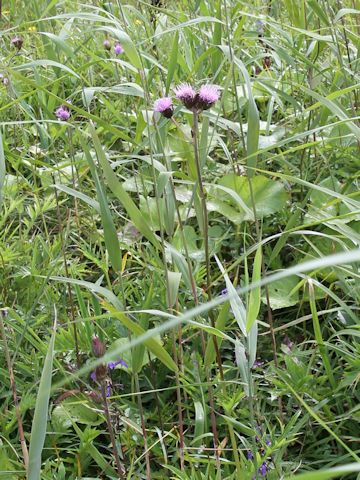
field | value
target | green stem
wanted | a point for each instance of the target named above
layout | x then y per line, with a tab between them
203	199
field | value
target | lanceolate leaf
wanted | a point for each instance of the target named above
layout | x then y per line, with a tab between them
110	234
118	190
38	430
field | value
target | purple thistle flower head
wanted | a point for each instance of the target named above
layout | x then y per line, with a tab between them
113	365
118	49
107	44
186	94
208	95
62	113
263	469
164	106
17	42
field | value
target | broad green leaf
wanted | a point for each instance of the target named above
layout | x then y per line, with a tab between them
269	195
283	294
74	410
242	364
189	23
60	42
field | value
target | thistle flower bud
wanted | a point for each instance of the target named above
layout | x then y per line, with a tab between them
17	42
98	347
107	44
267	62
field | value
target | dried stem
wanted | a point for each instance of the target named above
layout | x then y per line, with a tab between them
120	467
141	410
3	314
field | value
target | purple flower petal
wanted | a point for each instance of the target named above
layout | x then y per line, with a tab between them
263	469
162	104
249	455
118	49
62	113
185	92
209	94
112	365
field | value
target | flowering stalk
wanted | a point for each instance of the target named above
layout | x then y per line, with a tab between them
203	199
99	349
164	106
63	114
197	102
161	108
120	467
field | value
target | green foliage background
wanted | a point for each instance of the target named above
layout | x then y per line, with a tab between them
103	232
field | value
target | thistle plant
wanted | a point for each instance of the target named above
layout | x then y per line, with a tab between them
196	102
